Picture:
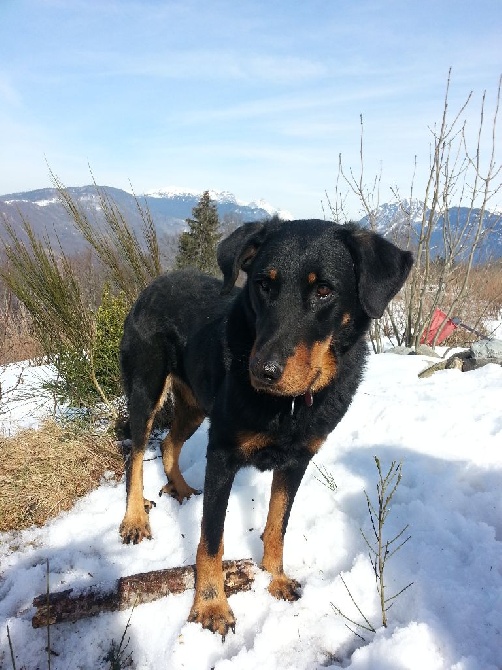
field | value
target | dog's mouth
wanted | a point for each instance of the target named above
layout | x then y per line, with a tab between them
308	370
284	388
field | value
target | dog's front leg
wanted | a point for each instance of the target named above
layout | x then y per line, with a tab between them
135	525
210	606
285	484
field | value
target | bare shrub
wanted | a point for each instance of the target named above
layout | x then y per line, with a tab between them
463	179
130	262
486	284
380	547
17	339
18	336
77	304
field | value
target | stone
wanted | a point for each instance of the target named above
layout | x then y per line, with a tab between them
487	349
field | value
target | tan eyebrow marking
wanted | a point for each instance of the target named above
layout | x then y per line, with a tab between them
312	277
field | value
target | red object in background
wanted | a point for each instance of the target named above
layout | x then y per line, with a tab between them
438	318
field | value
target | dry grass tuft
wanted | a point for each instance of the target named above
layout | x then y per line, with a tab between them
43	472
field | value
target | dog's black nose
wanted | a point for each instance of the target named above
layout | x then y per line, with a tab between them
266	371
272	371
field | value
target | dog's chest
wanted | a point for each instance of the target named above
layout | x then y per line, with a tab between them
287	439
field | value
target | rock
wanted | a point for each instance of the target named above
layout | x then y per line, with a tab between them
475	363
464	361
403	351
487	349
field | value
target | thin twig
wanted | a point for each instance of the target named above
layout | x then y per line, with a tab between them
48	593
12	658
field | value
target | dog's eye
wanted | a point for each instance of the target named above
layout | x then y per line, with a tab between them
263	284
323	291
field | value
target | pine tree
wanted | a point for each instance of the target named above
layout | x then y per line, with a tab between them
197	246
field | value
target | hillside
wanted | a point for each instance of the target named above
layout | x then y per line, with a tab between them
394	219
169	209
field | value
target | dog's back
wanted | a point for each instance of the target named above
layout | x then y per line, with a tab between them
173	307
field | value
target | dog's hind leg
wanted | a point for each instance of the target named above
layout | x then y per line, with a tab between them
143	406
187	418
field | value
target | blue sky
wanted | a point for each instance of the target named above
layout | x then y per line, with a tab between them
255	97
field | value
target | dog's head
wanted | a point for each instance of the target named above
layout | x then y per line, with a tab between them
310	283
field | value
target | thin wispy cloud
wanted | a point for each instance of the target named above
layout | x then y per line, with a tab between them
207	64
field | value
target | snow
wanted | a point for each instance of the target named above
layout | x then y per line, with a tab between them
270	209
446	430
220	197
24	401
40	203
180	192
172	191
45	203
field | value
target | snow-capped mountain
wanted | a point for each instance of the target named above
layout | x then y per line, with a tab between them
223	199
390	217
169	207
403	221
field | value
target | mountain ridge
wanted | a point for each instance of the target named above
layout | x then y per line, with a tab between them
43	209
171	206
392	219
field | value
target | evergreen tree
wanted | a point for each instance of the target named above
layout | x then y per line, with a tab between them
197	246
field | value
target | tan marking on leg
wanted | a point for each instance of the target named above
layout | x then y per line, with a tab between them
161	400
281	586
272	535
315	444
210	606
187	418
135	525
249	443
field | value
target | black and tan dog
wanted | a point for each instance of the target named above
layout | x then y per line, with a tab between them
274	365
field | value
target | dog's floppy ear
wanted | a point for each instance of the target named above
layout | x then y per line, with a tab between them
237	251
381	269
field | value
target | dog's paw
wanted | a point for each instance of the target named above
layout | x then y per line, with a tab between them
284	588
180	492
134	530
216	616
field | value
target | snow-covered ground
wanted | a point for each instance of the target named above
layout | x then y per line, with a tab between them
446	429
23	400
